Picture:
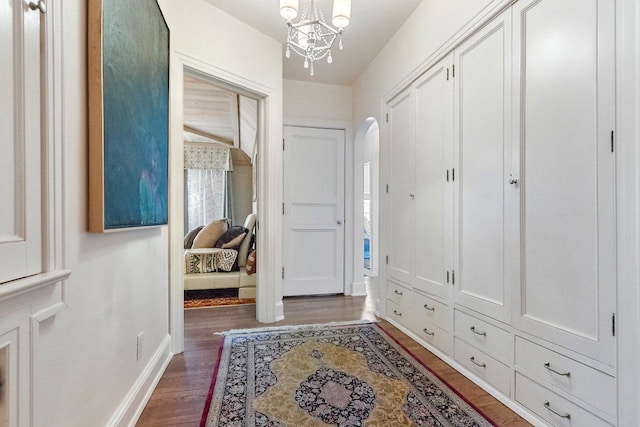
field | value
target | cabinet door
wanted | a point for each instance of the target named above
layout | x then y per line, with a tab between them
20	144
433	151
402	234
482	151
565	92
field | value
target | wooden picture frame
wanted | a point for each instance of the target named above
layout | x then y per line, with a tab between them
128	85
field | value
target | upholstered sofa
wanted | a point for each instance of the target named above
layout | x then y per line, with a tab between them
245	283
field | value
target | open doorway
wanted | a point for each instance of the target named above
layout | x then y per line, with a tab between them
370	197
220	135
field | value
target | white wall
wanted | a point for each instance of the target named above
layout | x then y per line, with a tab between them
118	287
242	193
317	101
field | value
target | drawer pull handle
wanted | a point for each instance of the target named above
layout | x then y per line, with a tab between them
473	329
426	331
397	313
564	374
426	307
548	406
397	292
473	360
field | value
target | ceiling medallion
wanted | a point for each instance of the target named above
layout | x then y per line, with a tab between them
311	37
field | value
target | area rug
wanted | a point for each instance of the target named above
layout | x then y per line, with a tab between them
319	375
214	298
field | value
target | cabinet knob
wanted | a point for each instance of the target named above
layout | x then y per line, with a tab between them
512	180
412	196
40	5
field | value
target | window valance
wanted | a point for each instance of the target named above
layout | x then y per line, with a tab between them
207	156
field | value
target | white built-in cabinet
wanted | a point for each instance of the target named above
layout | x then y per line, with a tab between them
501	239
483	195
20	144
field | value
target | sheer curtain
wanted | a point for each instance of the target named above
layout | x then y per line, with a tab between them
207	184
206	196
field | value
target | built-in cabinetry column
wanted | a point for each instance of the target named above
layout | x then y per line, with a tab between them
401	257
483	170
564	102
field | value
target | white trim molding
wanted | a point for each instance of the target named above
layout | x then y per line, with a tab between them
136	399
628	209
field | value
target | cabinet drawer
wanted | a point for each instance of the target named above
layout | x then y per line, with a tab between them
398	313
399	294
484	366
554	409
431	333
431	310
585	383
484	336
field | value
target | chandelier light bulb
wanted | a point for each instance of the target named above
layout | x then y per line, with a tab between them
288	52
311	72
306	63
341	13
329	58
289	9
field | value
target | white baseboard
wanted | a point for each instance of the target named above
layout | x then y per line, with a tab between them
133	404
358	289
279	311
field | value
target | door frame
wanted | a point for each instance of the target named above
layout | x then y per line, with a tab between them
269	307
353	285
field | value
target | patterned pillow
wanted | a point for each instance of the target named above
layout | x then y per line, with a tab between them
226	260
251	263
188	239
231	235
209	235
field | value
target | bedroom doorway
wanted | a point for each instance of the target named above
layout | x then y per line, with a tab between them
220	133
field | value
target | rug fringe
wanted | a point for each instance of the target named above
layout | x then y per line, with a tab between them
294	327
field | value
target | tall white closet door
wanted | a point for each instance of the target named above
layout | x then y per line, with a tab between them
433	151
482	144
402	234
565	51
20	142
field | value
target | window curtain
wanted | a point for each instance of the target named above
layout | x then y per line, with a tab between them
206	184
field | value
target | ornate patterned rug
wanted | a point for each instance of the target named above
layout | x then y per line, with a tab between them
214	298
319	375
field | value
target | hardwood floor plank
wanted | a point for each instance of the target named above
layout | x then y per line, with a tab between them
179	398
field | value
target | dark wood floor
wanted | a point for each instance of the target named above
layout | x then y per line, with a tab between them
180	396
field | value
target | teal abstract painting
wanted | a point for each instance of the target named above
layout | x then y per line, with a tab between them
135	95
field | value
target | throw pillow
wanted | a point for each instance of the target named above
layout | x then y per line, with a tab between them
209	235
235	243
188	239
231	234
251	263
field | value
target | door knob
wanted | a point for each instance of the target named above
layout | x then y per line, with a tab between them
412	196
40	5
339	222
512	180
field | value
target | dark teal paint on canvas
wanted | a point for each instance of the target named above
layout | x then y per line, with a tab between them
136	113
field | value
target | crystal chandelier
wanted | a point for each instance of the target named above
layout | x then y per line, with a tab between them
311	37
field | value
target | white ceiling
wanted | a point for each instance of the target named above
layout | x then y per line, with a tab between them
373	22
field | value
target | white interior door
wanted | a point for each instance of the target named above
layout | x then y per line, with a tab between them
313	211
